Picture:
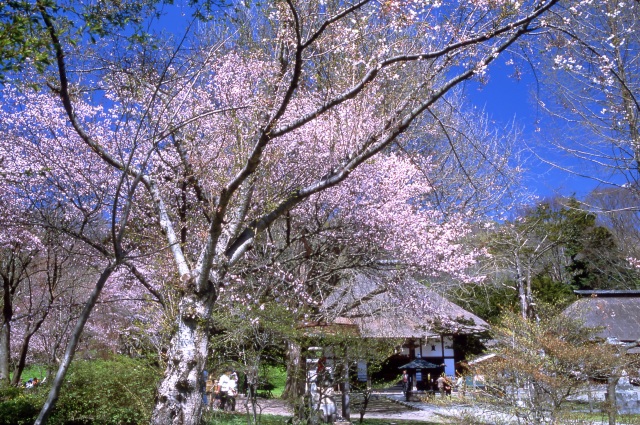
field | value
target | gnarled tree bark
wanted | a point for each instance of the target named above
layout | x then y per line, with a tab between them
179	399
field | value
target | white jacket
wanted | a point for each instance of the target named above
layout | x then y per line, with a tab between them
225	383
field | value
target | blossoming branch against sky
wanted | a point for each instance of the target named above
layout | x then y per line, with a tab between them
507	99
512	101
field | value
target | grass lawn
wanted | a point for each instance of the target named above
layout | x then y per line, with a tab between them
277	378
579	411
33	371
599	418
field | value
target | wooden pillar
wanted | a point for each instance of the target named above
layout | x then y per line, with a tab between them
442	346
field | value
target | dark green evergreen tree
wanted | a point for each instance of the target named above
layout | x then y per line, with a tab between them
546	253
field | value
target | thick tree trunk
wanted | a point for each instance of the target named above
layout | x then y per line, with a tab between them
5	332
5	349
346	399
22	360
294	387
531	311
522	295
179	398
346	389
24	349
612	408
294	390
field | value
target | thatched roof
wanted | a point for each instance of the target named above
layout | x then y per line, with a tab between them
385	305
618	316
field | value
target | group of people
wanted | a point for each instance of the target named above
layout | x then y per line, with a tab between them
33	382
221	393
443	384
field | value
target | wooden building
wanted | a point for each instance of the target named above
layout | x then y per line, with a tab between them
387	306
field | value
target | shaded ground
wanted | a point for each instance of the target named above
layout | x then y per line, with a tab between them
381	406
391	405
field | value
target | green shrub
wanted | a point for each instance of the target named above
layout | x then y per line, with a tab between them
119	391
19	406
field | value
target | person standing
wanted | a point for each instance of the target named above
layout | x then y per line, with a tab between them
225	385
216	395
208	390
407	384
448	385
205	398
441	384
233	391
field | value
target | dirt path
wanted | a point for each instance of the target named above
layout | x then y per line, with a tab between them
381	407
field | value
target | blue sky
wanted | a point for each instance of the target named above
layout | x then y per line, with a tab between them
505	100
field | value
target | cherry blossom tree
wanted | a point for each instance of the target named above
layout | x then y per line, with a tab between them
590	89
45	272
303	258
35	294
72	200
15	272
210	145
